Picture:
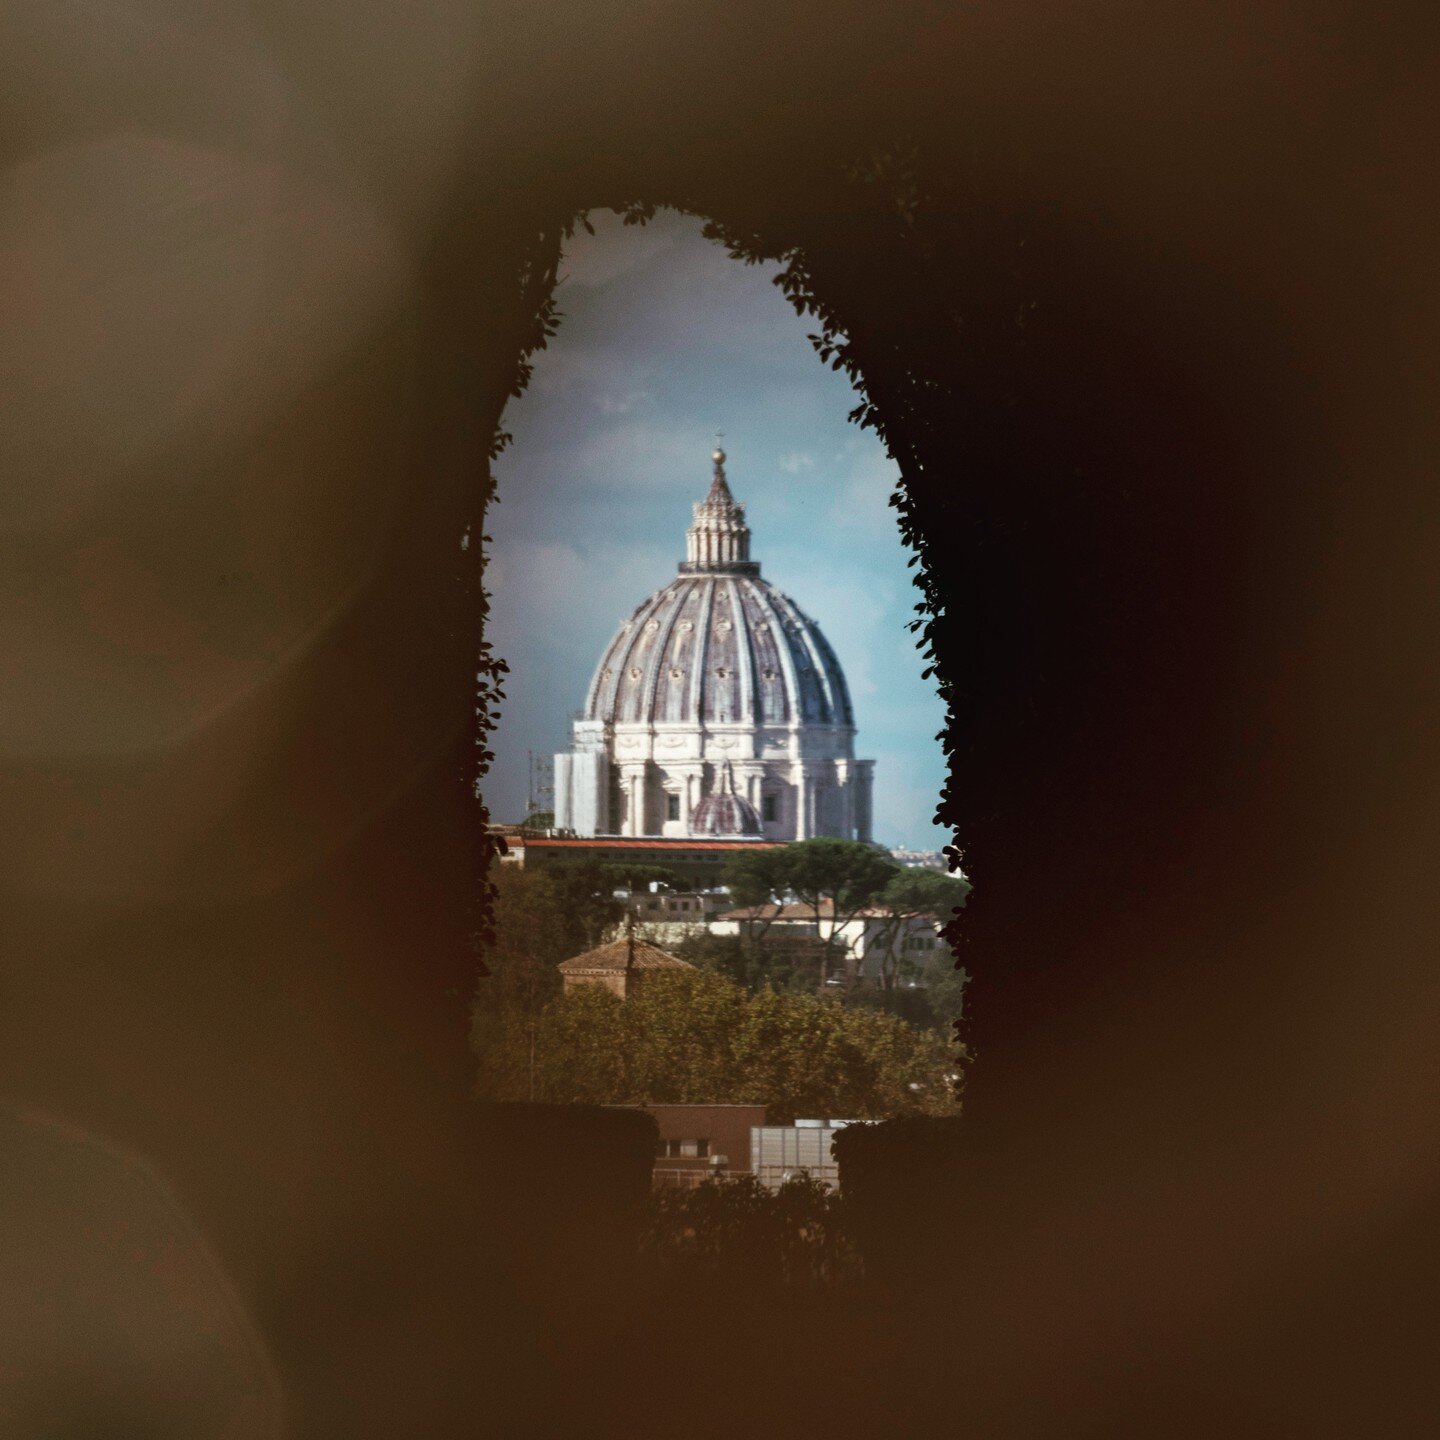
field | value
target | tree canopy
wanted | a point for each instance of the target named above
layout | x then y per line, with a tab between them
916	891
825	871
697	1037
909	895
741	1030
847	872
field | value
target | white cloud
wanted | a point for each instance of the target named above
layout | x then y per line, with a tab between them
862	498
793	464
622	404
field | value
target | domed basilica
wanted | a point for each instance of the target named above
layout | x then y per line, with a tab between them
718	711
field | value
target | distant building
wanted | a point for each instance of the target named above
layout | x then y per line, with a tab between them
769	920
694	862
718	710
920	859
781	1152
863	939
697	1141
666	917
621	967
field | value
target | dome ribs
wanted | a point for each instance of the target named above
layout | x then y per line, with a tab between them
779	707
674	595
699	662
679	678
748	710
743	627
722	659
814	687
835	673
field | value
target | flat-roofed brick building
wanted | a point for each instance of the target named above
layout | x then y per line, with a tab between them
700	1140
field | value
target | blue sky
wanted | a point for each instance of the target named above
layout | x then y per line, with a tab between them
664	341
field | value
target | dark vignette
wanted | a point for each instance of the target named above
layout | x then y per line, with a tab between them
1143	301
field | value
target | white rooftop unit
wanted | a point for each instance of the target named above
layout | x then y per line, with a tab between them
778	1152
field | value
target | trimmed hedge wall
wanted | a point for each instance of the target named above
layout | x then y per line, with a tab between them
900	1180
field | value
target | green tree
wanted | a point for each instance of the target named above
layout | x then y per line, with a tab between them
585	890
909	895
635	876
540	918
747	961
696	1037
944	991
534	929
844	876
734	1232
834	879
756	881
533	932
582	1052
680	1031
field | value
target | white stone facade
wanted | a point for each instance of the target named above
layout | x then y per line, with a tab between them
719	708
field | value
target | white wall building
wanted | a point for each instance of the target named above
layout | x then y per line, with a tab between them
667	917
866	939
719	709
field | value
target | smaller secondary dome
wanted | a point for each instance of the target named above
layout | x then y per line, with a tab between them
718	455
724	812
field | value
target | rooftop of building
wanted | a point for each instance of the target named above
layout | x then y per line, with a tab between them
792	910
630	842
798	910
621	956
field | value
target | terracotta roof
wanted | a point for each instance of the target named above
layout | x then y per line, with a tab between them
613	959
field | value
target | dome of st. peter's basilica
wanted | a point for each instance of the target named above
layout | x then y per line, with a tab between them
718	709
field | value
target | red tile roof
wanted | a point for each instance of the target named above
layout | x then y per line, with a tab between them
613	959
